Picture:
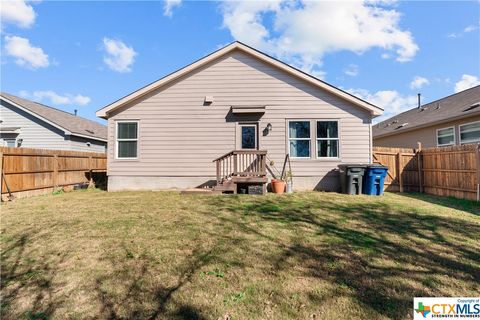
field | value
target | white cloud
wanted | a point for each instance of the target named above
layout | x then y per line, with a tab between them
351	70
25	53
470	28
467	29
418	82
119	56
17	12
391	101
169	5
303	32
467	81
57	99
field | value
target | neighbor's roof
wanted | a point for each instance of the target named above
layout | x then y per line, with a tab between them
456	106
69	123
375	111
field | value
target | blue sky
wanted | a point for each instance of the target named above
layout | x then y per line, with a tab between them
85	55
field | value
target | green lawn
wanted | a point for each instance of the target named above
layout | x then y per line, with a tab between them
161	255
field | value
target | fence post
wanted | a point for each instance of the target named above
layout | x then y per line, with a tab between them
419	165
55	171
1	175
90	172
478	172
400	170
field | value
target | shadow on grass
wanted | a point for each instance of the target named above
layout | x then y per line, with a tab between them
357	235
36	277
374	252
450	202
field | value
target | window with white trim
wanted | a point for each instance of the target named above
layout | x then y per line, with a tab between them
10	142
445	136
470	132
127	139
327	139
299	139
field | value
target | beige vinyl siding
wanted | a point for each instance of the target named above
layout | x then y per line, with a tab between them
179	136
427	136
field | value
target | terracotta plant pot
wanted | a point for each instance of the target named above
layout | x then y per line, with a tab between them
278	186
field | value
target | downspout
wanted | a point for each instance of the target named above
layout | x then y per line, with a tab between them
370	142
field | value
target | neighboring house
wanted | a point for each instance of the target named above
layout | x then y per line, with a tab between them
28	124
453	120
168	133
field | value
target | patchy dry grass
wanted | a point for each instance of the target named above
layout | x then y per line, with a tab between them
160	255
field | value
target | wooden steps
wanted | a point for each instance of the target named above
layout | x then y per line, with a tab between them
226	186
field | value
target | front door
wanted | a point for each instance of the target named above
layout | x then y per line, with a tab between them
248	136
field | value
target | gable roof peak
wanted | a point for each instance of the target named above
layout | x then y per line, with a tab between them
374	110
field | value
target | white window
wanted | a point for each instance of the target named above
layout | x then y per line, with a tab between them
10	142
127	139
470	132
299	139
327	139
445	137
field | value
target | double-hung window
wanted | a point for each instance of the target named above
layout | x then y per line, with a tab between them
327	139
445	136
299	139
470	132
127	139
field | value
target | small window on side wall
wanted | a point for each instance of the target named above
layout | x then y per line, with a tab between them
470	133
327	139
445	137
127	139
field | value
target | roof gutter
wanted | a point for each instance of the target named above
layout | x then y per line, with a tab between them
87	136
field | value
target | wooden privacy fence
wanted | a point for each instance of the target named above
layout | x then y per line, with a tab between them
446	171
29	171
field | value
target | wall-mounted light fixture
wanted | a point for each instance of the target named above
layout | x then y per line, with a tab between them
19	142
269	127
208	100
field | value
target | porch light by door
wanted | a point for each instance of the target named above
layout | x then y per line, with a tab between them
269	127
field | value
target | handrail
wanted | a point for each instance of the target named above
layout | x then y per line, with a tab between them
241	163
261	152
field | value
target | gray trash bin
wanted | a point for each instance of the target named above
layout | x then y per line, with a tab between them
351	178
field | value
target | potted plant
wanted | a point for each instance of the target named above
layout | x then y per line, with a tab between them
278	185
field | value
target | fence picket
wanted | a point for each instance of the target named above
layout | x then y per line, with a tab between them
445	171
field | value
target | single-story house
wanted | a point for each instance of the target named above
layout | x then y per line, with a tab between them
24	123
453	120
243	108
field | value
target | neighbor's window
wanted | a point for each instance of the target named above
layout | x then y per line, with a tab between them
470	133
327	139
127	140
299	139
445	137
10	142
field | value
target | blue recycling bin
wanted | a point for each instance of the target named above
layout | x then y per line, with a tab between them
374	179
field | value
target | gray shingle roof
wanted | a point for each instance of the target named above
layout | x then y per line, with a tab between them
69	122
461	104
